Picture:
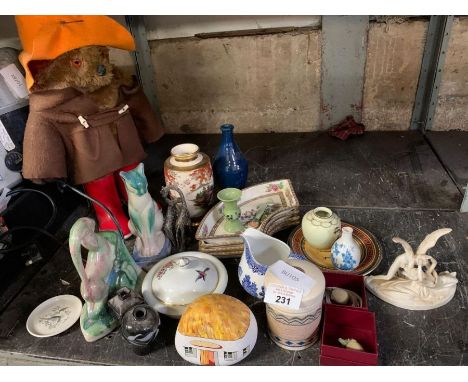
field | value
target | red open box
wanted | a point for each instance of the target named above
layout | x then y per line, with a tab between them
340	321
349	281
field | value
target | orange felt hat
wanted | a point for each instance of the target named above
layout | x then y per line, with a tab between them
47	37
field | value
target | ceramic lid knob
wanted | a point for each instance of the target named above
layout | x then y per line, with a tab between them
182	280
182	262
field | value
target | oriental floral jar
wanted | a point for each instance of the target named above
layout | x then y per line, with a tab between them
297	329
190	170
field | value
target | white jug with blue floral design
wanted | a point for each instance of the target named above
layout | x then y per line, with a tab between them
345	252
260	251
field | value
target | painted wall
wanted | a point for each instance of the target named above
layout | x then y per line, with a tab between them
272	82
258	83
452	105
394	55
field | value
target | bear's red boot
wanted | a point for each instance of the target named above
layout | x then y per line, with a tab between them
105	191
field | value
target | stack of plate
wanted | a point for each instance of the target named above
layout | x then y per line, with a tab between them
270	207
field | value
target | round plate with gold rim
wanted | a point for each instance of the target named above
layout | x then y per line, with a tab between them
371	250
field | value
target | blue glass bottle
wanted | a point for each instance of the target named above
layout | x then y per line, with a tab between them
230	166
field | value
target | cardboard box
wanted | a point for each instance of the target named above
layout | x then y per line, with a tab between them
343	322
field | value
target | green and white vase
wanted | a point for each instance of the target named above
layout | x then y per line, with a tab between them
231	211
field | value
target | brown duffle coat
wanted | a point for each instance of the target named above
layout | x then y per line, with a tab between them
67	136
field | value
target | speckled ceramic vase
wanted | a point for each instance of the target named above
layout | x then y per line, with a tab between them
140	326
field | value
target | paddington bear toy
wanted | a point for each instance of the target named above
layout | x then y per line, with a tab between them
87	120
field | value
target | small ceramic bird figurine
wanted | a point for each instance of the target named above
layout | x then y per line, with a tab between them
412	281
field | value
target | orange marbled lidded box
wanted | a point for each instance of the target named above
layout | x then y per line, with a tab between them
216	330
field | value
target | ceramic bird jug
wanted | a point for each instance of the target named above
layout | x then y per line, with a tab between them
109	267
260	251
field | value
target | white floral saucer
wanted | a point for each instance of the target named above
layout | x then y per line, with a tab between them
54	316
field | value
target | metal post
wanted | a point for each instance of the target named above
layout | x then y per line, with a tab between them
438	36
142	58
344	52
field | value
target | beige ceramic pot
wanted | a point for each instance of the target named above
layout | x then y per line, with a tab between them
190	171
297	329
321	227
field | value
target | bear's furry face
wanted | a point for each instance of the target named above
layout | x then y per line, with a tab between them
86	69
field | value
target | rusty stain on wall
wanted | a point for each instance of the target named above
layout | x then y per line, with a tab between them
394	55
259	83
452	106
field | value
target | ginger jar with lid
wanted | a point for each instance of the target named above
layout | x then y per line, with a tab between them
321	227
190	170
